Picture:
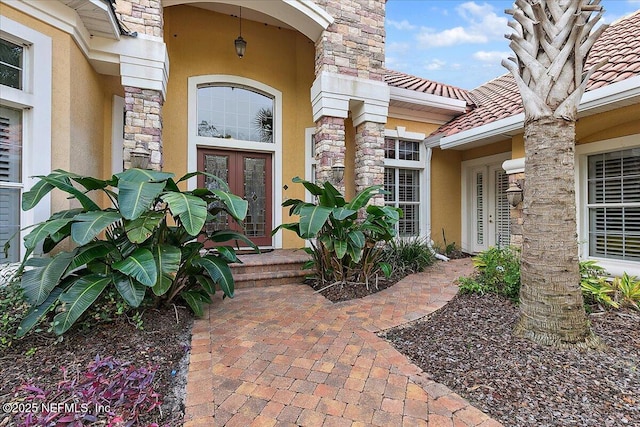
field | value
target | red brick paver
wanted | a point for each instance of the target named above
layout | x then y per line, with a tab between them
283	355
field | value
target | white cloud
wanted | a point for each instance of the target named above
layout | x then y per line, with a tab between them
434	64
403	25
492	56
482	25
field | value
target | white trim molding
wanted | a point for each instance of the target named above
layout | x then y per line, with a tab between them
334	95
35	102
194	141
512	166
141	61
401	133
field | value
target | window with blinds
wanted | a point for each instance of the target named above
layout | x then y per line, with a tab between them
10	179
402	182
614	205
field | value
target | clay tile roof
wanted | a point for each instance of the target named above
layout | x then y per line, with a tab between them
418	84
500	98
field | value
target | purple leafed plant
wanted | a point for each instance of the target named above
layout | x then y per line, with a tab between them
108	391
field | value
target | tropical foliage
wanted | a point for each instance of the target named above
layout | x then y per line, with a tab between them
497	272
345	247
598	289
148	244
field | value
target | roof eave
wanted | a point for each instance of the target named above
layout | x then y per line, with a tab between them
437	102
615	95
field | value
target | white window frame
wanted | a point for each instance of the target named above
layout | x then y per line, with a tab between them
194	141
117	134
400	133
34	99
583	151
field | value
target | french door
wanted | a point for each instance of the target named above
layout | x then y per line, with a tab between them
490	211
249	176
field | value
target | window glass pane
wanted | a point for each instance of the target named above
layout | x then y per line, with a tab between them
614	231
390	184
408	150
235	113
10	144
9	223
11	64
408	185
409	224
389	148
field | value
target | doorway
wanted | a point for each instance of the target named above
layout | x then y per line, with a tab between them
487	221
248	175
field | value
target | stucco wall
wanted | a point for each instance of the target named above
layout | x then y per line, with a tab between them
200	42
446	195
77	114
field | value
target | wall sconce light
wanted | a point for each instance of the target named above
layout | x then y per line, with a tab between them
240	43
140	157
514	194
337	171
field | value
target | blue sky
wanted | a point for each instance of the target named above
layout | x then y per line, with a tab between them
459	43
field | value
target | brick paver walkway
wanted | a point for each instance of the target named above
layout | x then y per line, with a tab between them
283	355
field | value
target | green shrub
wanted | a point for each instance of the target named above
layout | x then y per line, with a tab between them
600	290
344	247
497	272
145	246
408	256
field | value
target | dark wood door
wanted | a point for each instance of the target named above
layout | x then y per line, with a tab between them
248	176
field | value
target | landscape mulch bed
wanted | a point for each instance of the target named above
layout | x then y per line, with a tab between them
468	346
345	292
163	343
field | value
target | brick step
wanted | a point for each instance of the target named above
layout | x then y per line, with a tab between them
280	267
270	278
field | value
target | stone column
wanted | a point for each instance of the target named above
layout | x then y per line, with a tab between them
143	124
141	16
330	148
369	163
516	213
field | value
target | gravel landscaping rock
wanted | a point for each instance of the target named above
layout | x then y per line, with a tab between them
468	346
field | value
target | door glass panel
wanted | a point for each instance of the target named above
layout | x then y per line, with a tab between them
479	208
216	165
255	185
503	210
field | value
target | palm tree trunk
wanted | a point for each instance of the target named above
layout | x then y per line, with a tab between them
552	310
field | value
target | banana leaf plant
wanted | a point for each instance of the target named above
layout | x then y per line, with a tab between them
148	244
346	238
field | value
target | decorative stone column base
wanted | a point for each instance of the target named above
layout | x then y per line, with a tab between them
330	148
369	163
143	124
517	213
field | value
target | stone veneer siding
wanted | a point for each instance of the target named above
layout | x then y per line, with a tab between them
369	162
329	140
143	124
354	44
141	16
517	214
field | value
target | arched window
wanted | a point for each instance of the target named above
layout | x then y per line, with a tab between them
235	112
